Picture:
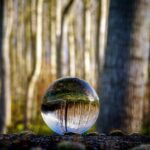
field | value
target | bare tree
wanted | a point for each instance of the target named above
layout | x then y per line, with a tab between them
59	37
101	36
37	68
146	109
53	38
87	37
104	10
71	48
5	94
2	102
127	51
79	43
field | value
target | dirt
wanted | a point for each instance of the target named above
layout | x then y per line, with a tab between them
89	142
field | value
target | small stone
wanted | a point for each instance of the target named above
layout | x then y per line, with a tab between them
70	133
92	134
37	148
135	134
117	133
27	132
68	145
142	147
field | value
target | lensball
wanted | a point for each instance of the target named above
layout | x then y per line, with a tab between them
70	105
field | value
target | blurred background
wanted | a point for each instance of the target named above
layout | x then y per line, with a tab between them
105	42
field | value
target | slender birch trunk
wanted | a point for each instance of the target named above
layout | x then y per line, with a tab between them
60	35
53	38
101	36
146	109
37	68
71	48
87	38
5	93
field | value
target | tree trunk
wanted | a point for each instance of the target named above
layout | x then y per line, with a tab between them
2	102
37	68
53	38
79	43
87	38
104	9
71	48
5	94
122	90
146	109
60	35
101	35
59	23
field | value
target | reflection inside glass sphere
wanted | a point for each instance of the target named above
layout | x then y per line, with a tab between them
70	105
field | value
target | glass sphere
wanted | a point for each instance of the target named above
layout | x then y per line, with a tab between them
70	105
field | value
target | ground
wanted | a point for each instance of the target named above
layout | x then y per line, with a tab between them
75	142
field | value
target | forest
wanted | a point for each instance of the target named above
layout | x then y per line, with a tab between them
106	43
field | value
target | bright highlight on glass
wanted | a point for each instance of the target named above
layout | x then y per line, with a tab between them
70	105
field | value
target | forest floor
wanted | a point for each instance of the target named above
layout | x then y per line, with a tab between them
71	142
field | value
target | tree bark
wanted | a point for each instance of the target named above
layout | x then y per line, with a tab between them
5	93
122	90
53	39
79	43
146	109
59	37
87	38
2	104
101	36
71	48
104	10
37	68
